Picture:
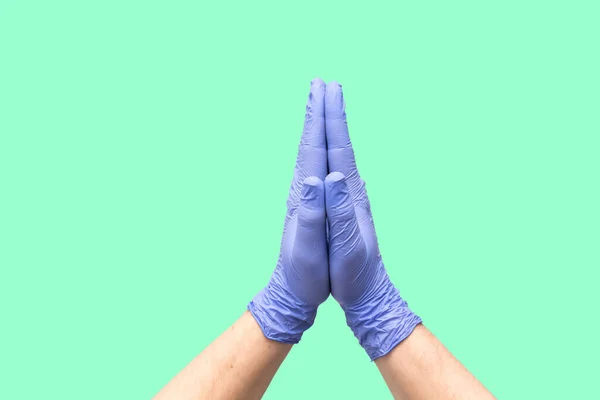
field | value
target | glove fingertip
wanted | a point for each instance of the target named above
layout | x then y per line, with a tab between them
313	192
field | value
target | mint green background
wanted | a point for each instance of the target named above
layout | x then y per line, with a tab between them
146	151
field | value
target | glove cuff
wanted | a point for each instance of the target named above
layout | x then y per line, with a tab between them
382	321
280	315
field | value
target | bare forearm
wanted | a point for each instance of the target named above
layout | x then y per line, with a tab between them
238	364
422	368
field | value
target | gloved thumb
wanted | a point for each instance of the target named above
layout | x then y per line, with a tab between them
344	231
310	244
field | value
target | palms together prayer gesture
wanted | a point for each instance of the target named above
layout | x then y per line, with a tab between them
329	245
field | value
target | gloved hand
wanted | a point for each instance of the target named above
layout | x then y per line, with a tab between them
288	305
375	312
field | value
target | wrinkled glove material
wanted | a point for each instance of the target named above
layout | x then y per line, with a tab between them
375	311
287	307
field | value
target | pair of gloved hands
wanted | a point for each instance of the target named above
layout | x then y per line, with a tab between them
344	259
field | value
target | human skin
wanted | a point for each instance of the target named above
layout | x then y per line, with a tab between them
414	364
422	368
242	361
239	364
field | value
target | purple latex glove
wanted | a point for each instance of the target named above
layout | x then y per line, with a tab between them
288	305
375	312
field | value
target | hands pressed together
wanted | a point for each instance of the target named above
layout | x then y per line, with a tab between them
329	243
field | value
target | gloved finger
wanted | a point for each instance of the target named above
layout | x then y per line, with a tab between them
310	244
344	233
312	153
340	155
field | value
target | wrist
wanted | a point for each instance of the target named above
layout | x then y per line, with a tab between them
381	321
280	315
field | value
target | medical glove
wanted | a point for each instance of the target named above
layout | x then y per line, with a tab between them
375	312
288	305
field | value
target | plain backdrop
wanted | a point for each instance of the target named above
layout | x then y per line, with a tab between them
147	148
